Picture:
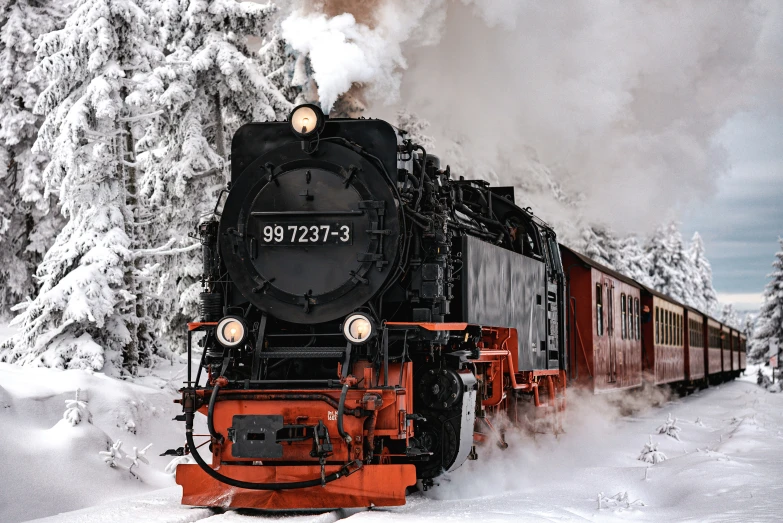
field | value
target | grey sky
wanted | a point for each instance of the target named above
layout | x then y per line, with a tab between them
740	224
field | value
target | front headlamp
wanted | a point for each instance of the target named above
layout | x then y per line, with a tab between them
231	331
358	328
306	120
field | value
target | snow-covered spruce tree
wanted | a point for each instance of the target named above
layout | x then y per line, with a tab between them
668	262
633	261
86	309
769	325
729	316
281	66
625	255
705	298
208	86
25	220
600	244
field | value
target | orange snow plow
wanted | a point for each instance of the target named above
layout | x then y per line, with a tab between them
370	485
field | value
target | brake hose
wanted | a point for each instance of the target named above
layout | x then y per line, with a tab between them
340	412
211	410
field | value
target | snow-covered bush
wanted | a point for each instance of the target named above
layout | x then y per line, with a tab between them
651	454
670	428
115	457
76	410
619	500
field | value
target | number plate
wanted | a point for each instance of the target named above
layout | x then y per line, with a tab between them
338	232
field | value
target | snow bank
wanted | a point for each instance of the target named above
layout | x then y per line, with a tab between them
57	464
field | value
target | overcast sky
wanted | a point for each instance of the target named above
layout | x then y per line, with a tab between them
740	224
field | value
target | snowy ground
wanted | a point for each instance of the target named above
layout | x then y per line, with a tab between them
725	467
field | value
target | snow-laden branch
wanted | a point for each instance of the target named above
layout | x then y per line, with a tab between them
165	250
100	134
141	116
205	174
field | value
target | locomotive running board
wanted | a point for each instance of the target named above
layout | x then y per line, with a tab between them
379	485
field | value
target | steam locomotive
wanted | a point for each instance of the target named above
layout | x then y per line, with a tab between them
365	317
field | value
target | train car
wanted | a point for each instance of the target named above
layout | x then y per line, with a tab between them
725	345
695	348
743	352
663	340
605	345
365	315
712	334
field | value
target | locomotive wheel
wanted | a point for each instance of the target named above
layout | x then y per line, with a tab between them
441	439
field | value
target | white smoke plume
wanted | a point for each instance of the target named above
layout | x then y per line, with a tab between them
617	103
344	51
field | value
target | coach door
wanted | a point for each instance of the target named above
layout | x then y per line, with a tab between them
612	340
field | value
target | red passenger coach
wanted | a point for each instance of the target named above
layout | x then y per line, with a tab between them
743	352
695	348
735	351
663	339
605	343
725	344
714	352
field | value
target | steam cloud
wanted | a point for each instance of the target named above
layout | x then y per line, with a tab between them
617	103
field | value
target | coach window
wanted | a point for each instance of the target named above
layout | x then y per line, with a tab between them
657	323
690	332
610	312
679	330
599	309
668	327
638	322
664	327
623	328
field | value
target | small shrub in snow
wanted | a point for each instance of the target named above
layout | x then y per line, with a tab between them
138	456
115	457
619	500
651	454
76	410
698	422
670	428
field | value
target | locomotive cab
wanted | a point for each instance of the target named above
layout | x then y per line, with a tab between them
364	317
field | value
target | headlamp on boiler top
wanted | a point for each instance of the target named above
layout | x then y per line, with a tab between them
306	120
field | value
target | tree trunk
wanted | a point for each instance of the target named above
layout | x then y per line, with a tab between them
131	353
220	138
